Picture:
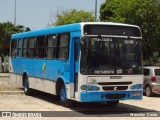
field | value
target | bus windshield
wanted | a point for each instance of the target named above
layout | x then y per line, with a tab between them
117	56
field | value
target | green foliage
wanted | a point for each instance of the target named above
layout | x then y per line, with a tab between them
73	16
6	30
144	13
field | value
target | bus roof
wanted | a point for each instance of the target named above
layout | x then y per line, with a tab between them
51	30
108	23
64	28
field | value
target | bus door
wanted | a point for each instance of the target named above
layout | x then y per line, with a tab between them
76	62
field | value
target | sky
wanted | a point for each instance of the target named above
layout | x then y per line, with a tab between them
36	14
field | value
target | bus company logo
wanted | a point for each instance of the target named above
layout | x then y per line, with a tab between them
115	88
44	68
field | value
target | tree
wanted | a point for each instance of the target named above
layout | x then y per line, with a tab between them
144	13
6	30
22	28
72	16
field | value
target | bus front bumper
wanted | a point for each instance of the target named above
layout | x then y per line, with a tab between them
110	96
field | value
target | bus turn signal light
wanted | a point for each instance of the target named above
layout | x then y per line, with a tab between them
137	94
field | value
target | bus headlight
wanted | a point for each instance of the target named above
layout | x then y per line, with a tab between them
89	88
138	86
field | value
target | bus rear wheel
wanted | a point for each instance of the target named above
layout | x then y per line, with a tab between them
26	88
63	98
113	103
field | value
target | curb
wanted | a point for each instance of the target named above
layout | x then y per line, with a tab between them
4	74
11	92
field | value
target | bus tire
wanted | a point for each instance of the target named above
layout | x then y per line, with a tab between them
63	97
27	90
113	103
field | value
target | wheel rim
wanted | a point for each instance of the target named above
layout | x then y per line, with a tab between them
63	95
148	91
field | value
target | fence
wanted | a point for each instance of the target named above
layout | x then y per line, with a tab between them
4	64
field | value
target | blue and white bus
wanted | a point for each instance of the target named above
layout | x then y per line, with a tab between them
85	62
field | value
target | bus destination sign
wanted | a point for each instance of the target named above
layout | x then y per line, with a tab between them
103	39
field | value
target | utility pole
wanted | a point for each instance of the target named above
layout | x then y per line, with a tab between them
15	13
95	9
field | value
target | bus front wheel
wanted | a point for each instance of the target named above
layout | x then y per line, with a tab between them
63	98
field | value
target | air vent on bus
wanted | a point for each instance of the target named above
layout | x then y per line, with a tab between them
115	88
115	96
114	83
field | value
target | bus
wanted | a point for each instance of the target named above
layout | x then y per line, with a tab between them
84	62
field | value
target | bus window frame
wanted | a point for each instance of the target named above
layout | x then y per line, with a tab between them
38	48
30	48
13	55
26	48
52	47
19	47
59	46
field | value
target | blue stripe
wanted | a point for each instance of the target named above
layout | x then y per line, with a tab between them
100	96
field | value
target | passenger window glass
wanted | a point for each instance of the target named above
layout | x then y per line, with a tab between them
25	48
32	47
146	72
63	46
51	46
40	47
13	48
19	48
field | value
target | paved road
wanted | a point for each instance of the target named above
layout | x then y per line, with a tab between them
47	102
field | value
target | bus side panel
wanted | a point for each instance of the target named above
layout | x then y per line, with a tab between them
50	69
15	76
44	85
40	69
28	66
13	65
45	69
18	67
62	70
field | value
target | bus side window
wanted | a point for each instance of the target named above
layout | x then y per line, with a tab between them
40	46
63	46
19	48
25	48
32	47
50	46
13	48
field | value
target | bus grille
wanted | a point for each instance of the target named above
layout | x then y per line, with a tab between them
115	96
114	83
115	88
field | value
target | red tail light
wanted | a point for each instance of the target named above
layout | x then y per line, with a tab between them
153	78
